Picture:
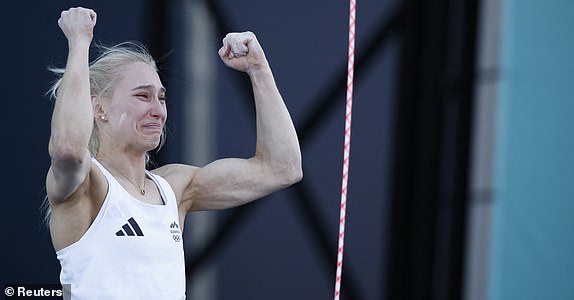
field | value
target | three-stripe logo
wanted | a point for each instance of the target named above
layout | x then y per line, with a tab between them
133	230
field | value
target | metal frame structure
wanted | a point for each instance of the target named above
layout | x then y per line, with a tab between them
431	186
431	155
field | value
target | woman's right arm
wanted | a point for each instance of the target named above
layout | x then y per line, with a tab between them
72	118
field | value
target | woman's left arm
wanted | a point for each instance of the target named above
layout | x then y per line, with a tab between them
276	163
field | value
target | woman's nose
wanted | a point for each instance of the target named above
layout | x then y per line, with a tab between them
158	108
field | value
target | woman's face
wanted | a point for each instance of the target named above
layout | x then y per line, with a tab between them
137	111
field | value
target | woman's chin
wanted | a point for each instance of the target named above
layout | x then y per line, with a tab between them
152	143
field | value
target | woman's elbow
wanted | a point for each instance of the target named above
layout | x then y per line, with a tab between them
297	175
66	158
291	175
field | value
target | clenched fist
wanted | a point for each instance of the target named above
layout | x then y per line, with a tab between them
242	51
77	24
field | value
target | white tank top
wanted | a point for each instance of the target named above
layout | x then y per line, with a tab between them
132	250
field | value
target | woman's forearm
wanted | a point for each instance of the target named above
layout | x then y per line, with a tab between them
72	119
277	142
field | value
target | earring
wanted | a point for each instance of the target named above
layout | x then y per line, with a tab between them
102	117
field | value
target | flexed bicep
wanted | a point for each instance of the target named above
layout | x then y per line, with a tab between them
231	182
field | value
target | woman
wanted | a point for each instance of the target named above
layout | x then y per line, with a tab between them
116	227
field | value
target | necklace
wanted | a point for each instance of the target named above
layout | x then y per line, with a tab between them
142	189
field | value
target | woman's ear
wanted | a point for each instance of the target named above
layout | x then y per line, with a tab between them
99	111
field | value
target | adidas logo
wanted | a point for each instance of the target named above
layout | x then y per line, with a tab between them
174	225
132	230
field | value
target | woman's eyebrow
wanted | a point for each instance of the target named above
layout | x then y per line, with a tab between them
147	87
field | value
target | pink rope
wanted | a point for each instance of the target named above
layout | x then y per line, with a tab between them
347	147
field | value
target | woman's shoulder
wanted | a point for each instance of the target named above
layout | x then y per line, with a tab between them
170	170
179	176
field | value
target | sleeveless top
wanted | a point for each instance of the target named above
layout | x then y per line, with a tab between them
132	250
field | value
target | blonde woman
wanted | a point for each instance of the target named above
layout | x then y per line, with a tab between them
116	226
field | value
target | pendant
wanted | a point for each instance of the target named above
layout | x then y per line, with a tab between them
142	191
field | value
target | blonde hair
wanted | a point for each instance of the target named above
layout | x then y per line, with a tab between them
103	74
